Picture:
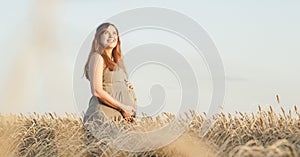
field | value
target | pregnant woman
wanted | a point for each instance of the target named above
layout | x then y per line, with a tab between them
112	94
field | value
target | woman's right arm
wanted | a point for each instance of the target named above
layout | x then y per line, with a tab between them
96	72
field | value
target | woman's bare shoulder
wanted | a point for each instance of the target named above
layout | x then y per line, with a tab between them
95	55
96	58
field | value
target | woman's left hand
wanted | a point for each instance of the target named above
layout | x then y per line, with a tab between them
129	84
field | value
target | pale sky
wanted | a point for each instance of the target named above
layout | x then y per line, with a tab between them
257	42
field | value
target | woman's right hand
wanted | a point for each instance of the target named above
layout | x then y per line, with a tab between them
128	112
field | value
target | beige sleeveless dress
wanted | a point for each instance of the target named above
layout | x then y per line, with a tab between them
114	84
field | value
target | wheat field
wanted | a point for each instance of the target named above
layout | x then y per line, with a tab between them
261	134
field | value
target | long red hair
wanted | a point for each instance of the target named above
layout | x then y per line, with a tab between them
98	48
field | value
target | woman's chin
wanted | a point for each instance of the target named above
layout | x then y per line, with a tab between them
110	46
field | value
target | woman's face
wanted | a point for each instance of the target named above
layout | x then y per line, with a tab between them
109	37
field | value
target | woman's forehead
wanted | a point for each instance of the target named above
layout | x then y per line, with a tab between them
110	28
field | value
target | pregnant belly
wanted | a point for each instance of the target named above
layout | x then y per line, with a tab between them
122	93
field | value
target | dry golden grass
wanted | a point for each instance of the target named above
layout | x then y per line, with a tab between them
260	134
